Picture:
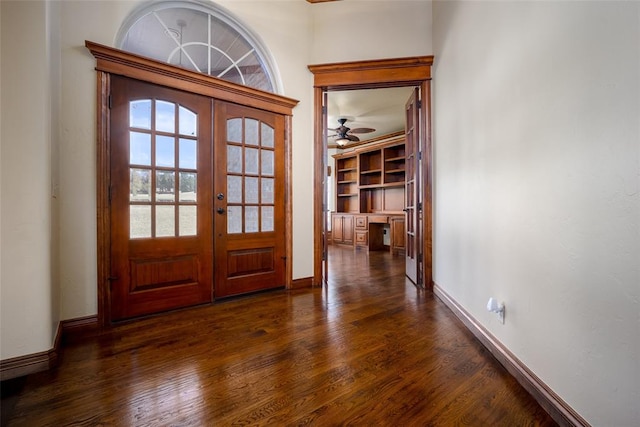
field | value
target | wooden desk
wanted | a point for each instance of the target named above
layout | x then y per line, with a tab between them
369	230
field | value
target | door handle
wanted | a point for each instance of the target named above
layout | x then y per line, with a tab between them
220	196
220	211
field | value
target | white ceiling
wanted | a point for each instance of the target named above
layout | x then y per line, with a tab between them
380	109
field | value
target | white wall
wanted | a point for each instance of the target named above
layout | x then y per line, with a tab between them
537	198
97	21
353	30
27	290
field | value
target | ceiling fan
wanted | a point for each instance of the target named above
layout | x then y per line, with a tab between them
343	134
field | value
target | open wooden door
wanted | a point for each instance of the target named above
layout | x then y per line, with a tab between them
160	195
249	204
326	222
412	188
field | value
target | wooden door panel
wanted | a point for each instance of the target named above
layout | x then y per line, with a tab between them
250	210
161	231
336	228
347	228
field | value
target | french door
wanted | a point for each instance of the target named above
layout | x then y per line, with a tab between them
196	199
249	200
160	199
412	188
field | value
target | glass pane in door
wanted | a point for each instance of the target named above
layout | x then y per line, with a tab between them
250	171
161	164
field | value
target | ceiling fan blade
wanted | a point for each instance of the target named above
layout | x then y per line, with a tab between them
362	130
353	138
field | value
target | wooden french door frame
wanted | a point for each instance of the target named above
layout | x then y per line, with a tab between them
385	73
110	61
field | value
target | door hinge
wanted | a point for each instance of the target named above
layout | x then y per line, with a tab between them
419	103
109	102
109	195
419	206
324	109
419	155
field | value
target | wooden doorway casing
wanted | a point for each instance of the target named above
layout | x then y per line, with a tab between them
110	61
384	73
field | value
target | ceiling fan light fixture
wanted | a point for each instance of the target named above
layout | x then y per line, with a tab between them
342	141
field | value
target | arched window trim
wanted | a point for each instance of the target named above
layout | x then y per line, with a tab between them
216	11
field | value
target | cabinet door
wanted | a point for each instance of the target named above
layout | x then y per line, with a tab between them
347	229
336	228
397	234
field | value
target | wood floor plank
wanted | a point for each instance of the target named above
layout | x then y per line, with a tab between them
368	349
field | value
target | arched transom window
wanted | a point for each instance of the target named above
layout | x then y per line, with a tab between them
200	37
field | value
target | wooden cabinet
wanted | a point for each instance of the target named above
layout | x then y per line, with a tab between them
361	230
370	186
396	226
342	229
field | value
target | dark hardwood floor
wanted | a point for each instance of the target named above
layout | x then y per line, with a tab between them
368	349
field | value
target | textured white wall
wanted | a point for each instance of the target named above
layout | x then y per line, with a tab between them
352	30
537	199
96	21
25	262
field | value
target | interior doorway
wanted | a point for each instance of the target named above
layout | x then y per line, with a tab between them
371	176
402	72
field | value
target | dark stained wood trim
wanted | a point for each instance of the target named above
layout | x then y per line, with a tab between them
370	74
27	364
320	1
288	202
103	179
426	186
559	410
318	186
116	61
79	328
45	360
32	363
302	283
